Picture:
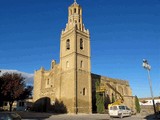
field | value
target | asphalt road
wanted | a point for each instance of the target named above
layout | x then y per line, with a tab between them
50	116
91	117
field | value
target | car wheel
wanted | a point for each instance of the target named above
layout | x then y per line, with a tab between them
130	114
121	116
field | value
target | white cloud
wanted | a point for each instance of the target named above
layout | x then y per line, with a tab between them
28	77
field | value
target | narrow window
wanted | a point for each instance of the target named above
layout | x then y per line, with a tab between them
84	91
67	64
78	11
21	104
81	64
74	10
81	44
68	44
71	12
48	82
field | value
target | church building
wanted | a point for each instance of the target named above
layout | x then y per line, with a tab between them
71	80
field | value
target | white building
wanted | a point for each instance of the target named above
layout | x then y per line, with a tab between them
148	101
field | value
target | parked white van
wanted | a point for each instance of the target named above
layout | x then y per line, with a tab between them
119	111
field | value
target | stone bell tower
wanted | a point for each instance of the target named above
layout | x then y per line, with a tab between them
75	82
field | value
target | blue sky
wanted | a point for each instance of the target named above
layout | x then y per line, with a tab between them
123	32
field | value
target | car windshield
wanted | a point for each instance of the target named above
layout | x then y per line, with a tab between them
122	107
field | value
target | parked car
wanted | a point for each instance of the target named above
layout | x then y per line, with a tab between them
9	116
119	111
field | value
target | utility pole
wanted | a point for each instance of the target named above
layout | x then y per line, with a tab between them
148	68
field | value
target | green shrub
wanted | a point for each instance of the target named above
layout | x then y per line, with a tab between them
137	105
99	100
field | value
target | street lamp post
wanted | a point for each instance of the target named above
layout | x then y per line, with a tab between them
148	68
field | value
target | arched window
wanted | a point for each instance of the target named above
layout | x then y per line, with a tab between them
74	10
67	64
68	44
81	44
48	81
84	91
81	64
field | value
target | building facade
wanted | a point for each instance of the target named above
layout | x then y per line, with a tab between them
71	81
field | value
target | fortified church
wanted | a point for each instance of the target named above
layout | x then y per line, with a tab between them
71	81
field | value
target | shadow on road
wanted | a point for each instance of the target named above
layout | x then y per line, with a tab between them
152	117
34	115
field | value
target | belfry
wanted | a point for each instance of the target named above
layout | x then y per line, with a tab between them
75	62
71	81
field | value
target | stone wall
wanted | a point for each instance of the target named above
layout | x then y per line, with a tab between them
147	109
